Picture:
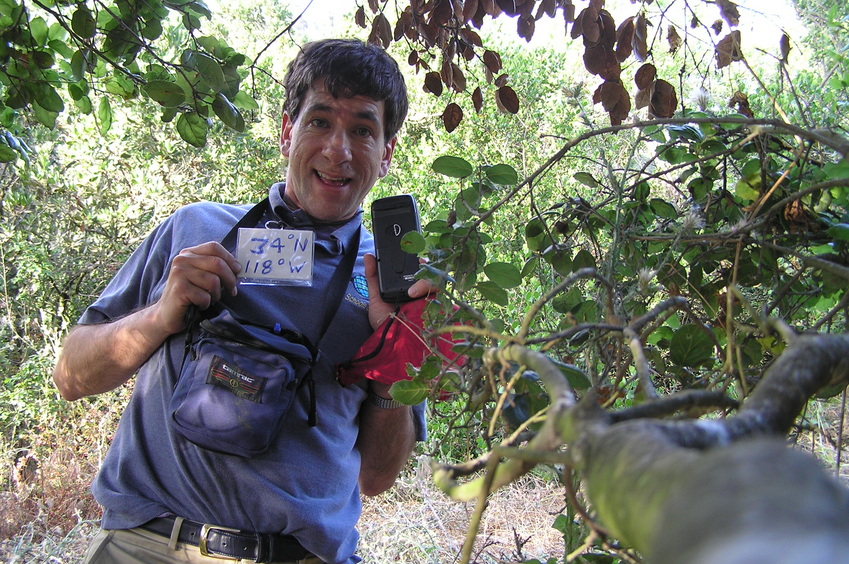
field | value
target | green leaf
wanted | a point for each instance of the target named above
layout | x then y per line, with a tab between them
7	154
642	191
586	179
44	116
208	68
529	266
192	129
700	187
583	260
166	93
574	375
562	523
84	105
17	97
232	80
121	85
430	369
104	115
211	72
752	169
839	231
502	174
228	113
209	43
48	98
561	261
245	101
39	31
471	197
713	146
78	65
199	8
158	72
412	242
839	169
168	115
688	132
43	59
676	155
121	42
745	191
690	346
82	22
409	392
493	293
152	30
454	167
536	236
504	274
57	34
60	47
664	209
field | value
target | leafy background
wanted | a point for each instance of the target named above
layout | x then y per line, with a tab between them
546	222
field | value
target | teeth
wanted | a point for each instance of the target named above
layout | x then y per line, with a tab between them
331	180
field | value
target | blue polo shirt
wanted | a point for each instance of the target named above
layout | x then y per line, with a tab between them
305	485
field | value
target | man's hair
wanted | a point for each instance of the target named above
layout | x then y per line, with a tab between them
349	68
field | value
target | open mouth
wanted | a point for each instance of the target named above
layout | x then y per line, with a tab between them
332	180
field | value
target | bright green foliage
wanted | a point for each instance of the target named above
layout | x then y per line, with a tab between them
100	54
71	214
545	227
737	212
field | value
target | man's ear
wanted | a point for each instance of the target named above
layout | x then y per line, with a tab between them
286	135
388	150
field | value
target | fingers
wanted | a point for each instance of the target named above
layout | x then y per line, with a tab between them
378	310
209	267
422	287
199	276
371	274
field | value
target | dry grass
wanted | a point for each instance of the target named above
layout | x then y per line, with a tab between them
416	523
49	516
826	436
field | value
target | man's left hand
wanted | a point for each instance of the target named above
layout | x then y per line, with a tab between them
378	310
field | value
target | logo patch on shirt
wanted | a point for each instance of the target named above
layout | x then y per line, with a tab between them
361	285
232	378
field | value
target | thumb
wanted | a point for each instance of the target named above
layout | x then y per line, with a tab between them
371	276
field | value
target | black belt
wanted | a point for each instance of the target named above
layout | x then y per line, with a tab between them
231	543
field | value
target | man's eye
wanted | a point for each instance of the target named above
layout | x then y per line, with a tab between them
363	131
318	122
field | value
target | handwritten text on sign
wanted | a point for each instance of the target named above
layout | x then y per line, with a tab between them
275	256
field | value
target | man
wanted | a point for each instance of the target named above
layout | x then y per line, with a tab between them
168	499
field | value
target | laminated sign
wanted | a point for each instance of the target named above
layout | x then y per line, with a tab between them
275	257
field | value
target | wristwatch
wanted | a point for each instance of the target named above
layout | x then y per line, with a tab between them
382	402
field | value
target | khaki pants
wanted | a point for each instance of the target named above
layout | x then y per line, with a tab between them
137	546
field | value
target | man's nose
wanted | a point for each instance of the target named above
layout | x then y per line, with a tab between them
338	148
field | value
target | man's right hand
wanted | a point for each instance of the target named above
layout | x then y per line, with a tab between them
97	358
199	276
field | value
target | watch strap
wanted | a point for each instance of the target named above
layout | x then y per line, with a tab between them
383	403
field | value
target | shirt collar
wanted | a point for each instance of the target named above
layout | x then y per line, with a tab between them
336	237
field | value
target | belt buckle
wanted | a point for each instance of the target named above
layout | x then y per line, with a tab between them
204	537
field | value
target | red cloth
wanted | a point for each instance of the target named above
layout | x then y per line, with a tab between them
397	342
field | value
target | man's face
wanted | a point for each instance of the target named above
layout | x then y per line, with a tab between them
336	151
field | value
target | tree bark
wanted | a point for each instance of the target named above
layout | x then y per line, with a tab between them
722	491
698	491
